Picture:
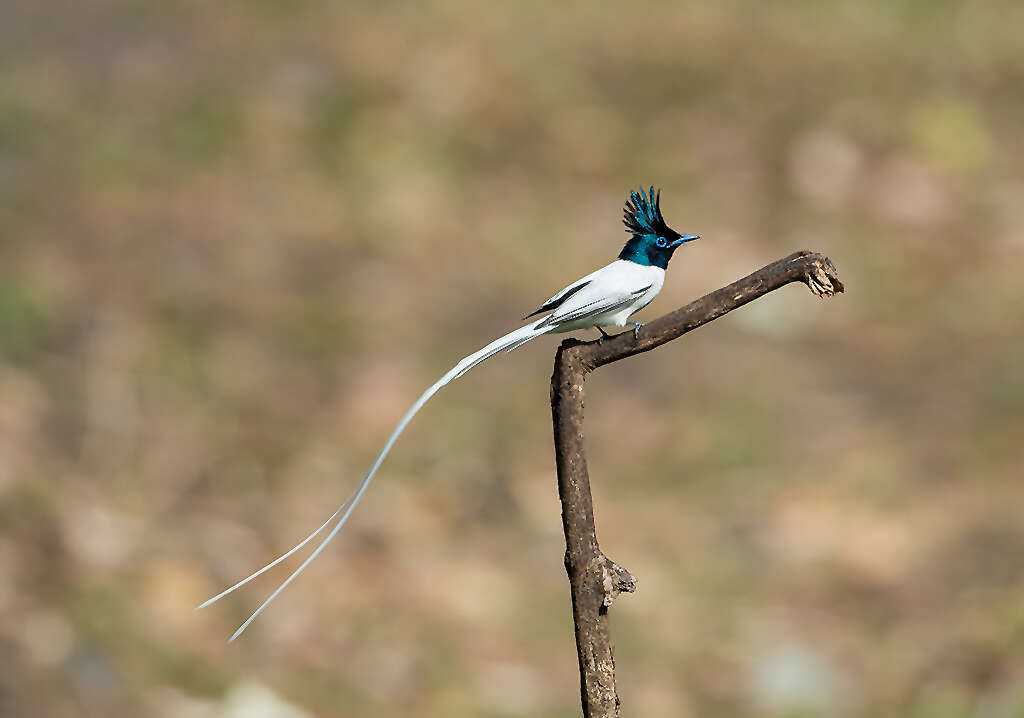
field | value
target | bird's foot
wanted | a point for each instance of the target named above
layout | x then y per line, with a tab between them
636	328
604	335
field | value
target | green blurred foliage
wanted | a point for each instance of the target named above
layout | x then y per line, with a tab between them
238	239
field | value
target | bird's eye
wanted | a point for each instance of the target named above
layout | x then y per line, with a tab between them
662	242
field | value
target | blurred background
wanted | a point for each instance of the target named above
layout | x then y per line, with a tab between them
238	239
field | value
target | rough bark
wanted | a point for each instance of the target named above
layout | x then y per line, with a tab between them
594	579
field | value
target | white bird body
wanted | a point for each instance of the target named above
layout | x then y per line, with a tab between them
620	280
605	298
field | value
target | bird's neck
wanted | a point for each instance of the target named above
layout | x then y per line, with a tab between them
641	252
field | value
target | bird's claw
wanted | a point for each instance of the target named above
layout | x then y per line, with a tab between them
636	329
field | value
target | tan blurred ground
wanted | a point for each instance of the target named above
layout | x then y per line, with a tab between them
238	239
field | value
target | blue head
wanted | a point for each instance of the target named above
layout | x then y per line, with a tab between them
652	243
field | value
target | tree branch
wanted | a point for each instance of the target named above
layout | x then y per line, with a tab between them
594	579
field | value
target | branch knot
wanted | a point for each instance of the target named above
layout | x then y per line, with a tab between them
614	579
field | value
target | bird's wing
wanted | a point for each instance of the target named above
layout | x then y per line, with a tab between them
604	292
557	300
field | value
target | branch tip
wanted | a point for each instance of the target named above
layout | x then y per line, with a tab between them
821	277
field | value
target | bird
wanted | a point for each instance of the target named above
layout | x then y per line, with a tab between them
605	298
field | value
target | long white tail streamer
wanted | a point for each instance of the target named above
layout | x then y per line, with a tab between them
276	561
510	341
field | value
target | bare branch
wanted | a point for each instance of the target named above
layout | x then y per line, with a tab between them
594	579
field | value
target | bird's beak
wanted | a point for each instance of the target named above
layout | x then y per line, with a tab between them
685	238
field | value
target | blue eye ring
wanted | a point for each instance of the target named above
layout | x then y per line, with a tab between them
662	242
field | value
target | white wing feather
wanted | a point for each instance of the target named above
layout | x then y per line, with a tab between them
610	288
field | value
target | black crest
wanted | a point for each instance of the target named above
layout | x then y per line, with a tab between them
642	215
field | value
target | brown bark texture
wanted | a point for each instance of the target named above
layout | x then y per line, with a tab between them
594	579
